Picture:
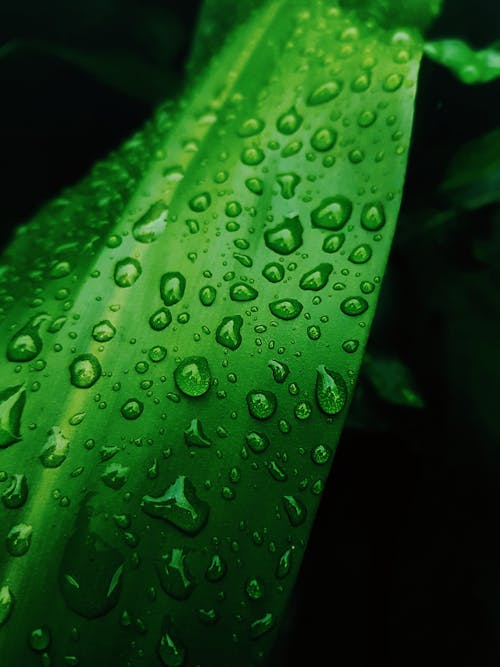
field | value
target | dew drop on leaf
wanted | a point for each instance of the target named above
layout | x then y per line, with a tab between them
325	93
373	216
84	371
12	402
261	403
289	122
152	224
192	376
317	278
286	309
228	333
127	272
331	391
332	213
354	306
172	287
178	505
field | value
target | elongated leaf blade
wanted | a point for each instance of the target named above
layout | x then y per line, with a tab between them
182	335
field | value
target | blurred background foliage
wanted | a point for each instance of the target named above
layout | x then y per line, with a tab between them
403	567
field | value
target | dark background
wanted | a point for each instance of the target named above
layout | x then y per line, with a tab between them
403	566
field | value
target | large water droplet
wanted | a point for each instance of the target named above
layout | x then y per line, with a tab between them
195	436
261	403
192	376
373	216
103	331
325	92
273	272
361	254
172	287
295	509
354	306
228	332
19	539
242	292
289	122
152	224
26	344
332	213
6	604
286	237
55	450
317	278
286	309
180	506
84	371
331	391
170	650
91	571
16	494
174	575
12	401
127	272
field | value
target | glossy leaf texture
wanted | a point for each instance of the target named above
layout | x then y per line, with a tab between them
181	335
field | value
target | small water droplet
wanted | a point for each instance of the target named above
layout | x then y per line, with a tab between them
132	409
12	402
200	203
160	319
19	539
323	139
55	449
289	122
6	604
288	183
273	272
16	494
295	510
279	370
252	156
250	127
194	435
242	292
103	331
174	575
361	254
258	442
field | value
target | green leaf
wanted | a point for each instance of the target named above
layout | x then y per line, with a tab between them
469	66
189	323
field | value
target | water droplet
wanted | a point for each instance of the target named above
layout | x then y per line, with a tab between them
174	575
262	626
228	332
16	494
361	254
103	331
217	569
200	203
295	510
286	237
303	410
180	506
291	148
279	370
232	209
331	391
361	83
192	376
127	272
19	539
242	292
195	436
254	588
323	139
12	401
170	650
289	122
39	638
321	454
255	185
160	319
286	309
332	213
26	344
6	604
392	82
373	216
152	224
288	183
132	409
325	92
252	156
261	403
172	287
115	475
84	371
91	571
350	346
250	127
273	272
317	278
284	564
157	353
366	118
354	306
55	450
